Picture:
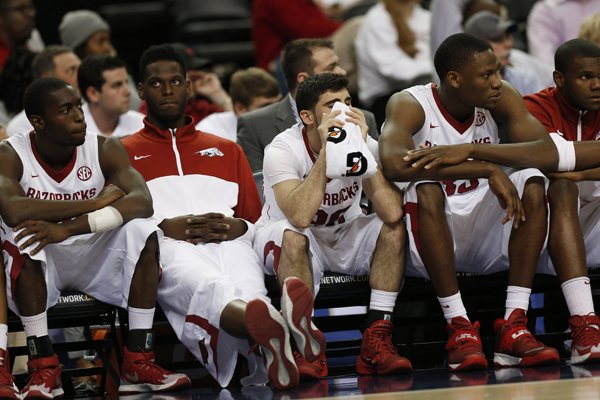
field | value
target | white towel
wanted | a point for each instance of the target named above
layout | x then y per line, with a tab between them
347	153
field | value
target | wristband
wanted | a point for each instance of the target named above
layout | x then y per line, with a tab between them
105	219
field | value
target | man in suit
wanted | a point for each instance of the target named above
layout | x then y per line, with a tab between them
300	59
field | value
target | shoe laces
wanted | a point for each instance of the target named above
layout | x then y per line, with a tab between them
5	377
586	331
520	323
380	339
40	376
147	364
465	337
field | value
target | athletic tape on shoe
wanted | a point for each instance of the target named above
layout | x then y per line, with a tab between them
566	152
105	219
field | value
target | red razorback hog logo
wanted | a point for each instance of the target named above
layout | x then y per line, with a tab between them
84	173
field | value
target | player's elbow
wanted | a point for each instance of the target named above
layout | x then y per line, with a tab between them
300	222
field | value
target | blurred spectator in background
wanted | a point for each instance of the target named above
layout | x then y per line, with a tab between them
17	22
300	59
447	17
208	95
276	22
590	29
87	33
392	52
553	22
53	62
489	26
103	83
250	89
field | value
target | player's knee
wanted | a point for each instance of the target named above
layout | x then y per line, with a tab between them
394	233
430	197
562	192
534	195
294	242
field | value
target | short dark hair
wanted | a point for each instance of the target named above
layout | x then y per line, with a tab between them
161	52
314	86
457	51
91	70
249	83
572	49
43	62
36	95
297	57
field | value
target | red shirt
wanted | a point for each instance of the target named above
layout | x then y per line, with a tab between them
277	22
551	109
194	170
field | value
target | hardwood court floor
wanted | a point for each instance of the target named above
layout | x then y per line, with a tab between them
543	383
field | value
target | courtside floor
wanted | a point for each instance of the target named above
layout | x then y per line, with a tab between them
544	383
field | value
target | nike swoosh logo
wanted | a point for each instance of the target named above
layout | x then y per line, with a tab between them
35	176
431	126
446	306
136	158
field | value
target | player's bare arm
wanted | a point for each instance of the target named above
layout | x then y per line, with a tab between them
205	228
117	169
16	207
386	197
310	191
531	146
404	117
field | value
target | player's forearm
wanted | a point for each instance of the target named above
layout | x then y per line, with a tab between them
137	204
385	196
541	154
586	154
592	174
18	209
304	201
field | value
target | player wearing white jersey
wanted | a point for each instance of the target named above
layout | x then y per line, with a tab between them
454	215
62	230
311	224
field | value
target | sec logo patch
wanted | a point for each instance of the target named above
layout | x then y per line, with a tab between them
84	173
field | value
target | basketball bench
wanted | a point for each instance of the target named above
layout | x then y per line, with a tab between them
419	325
76	309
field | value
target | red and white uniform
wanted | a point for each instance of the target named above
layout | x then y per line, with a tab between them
193	172
472	210
342	239
99	264
549	107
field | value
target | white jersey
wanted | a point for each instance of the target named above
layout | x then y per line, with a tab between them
289	156
81	179
440	128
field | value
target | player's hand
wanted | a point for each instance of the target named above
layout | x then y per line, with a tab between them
205	228
357	117
109	194
432	157
508	197
328	122
42	232
575	176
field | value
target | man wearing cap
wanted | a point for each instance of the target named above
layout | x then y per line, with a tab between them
489	26
87	33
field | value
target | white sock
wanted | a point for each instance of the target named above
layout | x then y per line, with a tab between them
452	306
382	300
578	295
36	325
516	297
3	336
140	318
